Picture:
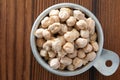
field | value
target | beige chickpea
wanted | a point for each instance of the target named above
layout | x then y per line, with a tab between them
84	33
62	39
84	61
54	28
46	22
47	45
66	61
55	18
71	21
62	66
71	67
56	45
81	42
71	35
91	56
95	46
91	25
62	53
43	53
67	9
54	13
63	29
88	48
51	54
64	15
78	15
69	47
72	55
40	42
77	62
93	37
38	33
46	34
81	24
54	63
81	53
88	39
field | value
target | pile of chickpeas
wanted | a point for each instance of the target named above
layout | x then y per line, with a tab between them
67	39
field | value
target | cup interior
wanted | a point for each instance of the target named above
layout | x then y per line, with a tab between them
36	53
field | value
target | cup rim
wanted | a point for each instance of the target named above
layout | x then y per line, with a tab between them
36	53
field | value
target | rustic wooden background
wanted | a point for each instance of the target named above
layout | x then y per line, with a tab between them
16	19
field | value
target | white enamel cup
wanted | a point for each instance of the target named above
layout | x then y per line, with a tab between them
103	55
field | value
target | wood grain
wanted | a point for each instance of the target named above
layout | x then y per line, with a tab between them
15	26
16	19
108	12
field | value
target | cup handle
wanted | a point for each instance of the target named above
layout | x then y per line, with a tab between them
100	64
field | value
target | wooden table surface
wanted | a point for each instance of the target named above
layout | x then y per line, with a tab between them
16	19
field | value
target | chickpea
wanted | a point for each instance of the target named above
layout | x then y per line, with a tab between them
43	53
62	53
38	33
84	61
78	15
81	24
40	42
91	25
62	39
68	10
71	21
91	56
55	18
88	48
81	42
56	45
64	15
73	55
46	34
77	62
69	47
84	33
95	46
66	61
47	45
46	22
81	53
54	28
54	63
71	67
93	37
51	54
62	66
63	30
71	35
54	13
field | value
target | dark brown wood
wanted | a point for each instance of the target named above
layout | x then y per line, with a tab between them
16	19
15	25
108	12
